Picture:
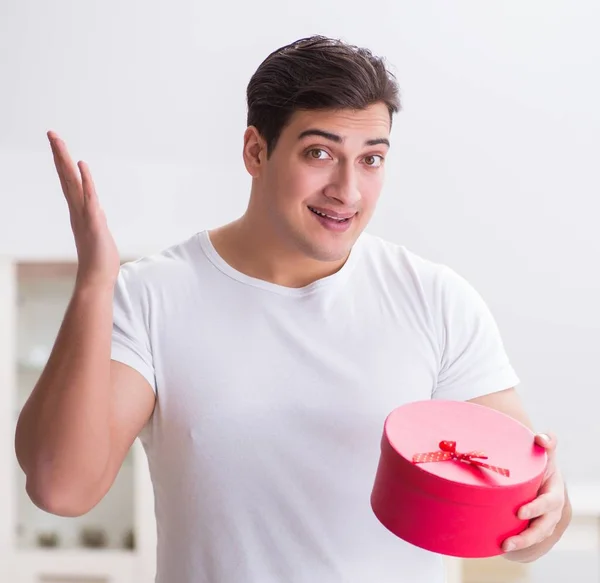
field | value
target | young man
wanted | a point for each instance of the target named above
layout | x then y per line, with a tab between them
258	361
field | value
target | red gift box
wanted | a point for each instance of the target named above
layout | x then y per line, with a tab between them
452	476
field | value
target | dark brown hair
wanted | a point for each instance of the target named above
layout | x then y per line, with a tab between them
316	73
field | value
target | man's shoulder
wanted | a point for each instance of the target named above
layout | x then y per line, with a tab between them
168	265
395	259
433	283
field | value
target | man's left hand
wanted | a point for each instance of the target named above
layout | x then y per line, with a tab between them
545	512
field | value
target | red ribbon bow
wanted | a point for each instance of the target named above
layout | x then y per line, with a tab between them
448	452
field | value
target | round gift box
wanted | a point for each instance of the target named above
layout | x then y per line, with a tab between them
429	494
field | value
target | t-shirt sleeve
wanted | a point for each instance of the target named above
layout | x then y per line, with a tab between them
474	361
130	334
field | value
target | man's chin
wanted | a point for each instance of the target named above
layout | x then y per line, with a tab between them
329	253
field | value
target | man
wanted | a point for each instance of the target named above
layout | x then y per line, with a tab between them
257	361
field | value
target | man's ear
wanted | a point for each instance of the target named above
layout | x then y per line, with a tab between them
255	151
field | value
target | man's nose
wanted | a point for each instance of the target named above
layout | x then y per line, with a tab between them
344	186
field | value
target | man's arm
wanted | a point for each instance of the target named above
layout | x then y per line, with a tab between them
85	411
83	414
551	511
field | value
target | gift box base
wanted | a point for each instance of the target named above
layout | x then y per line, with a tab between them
442	526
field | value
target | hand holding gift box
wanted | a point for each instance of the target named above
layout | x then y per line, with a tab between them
453	477
548	513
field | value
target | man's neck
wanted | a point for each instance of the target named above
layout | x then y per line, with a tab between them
257	253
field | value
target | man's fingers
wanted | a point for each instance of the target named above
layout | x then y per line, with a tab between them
539	529
67	171
546	440
57	163
90	200
545	503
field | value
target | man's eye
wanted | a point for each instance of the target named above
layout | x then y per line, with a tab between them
374	161
318	154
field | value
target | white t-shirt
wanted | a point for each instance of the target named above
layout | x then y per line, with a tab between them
265	440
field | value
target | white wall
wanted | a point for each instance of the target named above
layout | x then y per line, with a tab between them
494	167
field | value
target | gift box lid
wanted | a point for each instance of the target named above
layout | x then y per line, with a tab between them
428	441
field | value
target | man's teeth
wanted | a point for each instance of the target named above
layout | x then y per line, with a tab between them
325	215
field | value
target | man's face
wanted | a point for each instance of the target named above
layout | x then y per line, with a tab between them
320	186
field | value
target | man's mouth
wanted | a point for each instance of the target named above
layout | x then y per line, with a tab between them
334	216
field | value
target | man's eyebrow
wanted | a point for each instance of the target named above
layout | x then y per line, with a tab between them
378	141
321	133
338	139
